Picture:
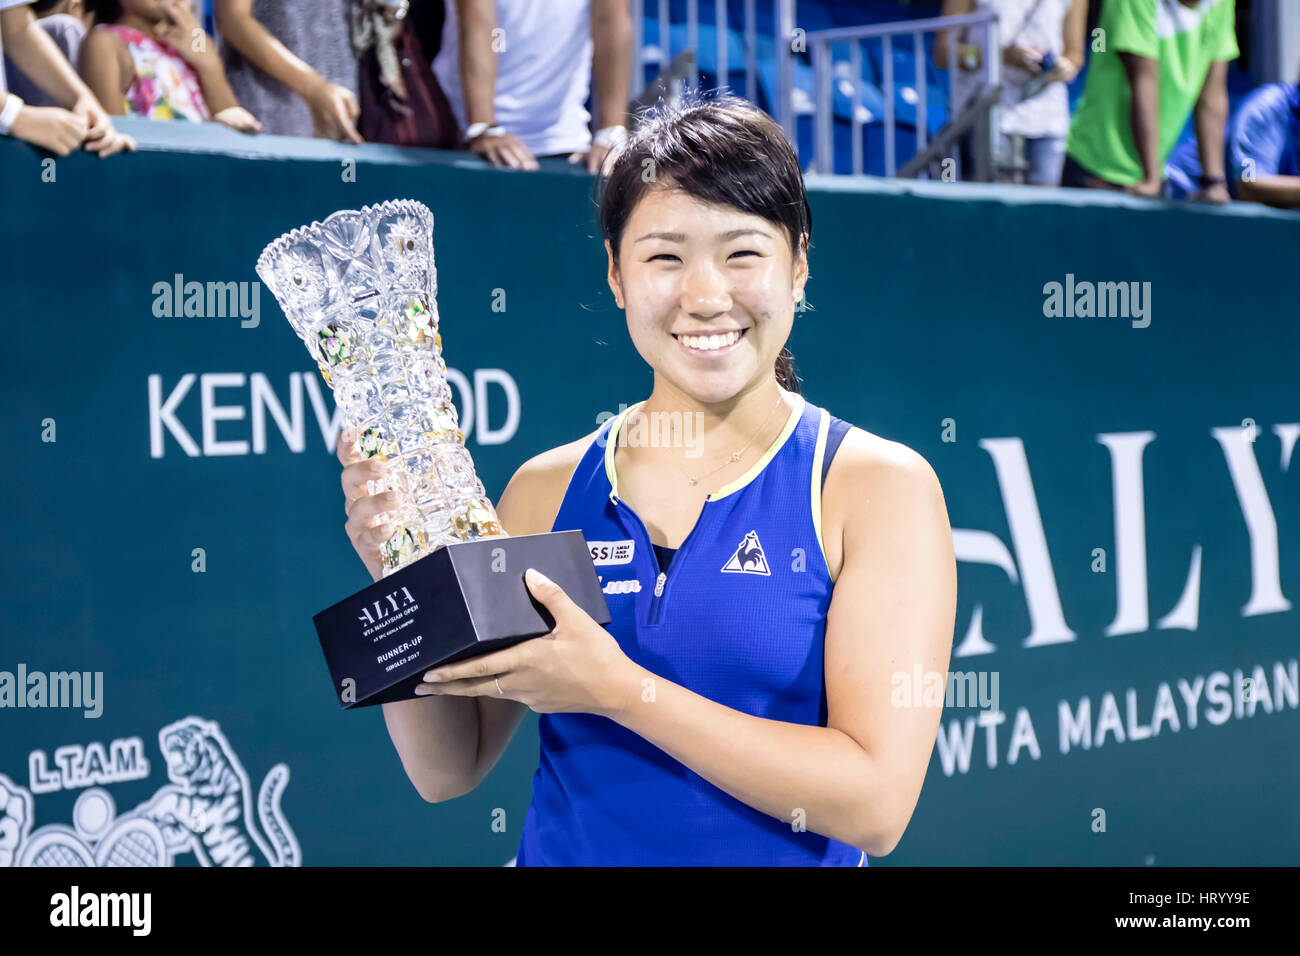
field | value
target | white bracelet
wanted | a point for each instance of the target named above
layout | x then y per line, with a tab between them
478	129
13	105
610	136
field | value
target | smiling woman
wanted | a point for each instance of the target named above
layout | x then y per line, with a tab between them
764	583
720	164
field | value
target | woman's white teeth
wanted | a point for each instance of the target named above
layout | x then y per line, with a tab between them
707	343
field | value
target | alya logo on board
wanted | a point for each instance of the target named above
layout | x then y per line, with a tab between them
206	809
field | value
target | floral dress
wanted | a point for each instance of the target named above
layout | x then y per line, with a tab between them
164	85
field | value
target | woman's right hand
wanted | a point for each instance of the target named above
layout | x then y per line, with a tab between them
367	524
334	112
51	127
503	150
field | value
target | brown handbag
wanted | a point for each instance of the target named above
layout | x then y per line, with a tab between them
424	118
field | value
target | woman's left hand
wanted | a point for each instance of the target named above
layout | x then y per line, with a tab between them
238	118
1027	58
101	137
594	158
577	668
98	125
1065	71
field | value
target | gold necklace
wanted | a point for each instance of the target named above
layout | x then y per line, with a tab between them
735	455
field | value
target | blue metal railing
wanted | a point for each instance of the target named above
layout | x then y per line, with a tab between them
820	47
654	28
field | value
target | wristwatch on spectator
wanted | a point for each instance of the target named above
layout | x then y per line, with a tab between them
478	129
1208	181
9	112
610	137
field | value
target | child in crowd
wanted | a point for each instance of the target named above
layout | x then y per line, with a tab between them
151	58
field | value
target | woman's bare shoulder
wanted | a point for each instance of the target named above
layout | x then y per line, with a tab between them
534	494
870	478
862	449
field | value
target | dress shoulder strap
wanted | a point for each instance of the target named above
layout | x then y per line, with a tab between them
834	435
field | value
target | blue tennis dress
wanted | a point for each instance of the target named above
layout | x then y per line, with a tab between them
739	617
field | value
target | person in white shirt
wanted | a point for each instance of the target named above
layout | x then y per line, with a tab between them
78	119
66	21
518	73
1042	50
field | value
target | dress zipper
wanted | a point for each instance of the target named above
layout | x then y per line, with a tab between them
656	600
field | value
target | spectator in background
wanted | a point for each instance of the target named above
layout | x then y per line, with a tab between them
151	58
1162	58
66	21
1264	146
1262	154
518	74
292	62
401	101
59	130
1042	50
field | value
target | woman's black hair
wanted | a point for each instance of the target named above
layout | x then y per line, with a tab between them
721	150
105	11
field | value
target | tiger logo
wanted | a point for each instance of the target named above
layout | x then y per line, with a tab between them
206	809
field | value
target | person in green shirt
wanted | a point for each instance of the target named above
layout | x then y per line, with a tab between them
1153	62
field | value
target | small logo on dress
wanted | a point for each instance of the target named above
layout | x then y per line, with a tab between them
749	557
612	552
628	586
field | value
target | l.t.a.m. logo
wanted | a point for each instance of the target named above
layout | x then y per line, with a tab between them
749	557
206	809
378	610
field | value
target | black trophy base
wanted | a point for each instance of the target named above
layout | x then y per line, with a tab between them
461	601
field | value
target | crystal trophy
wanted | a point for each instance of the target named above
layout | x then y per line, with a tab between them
359	289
